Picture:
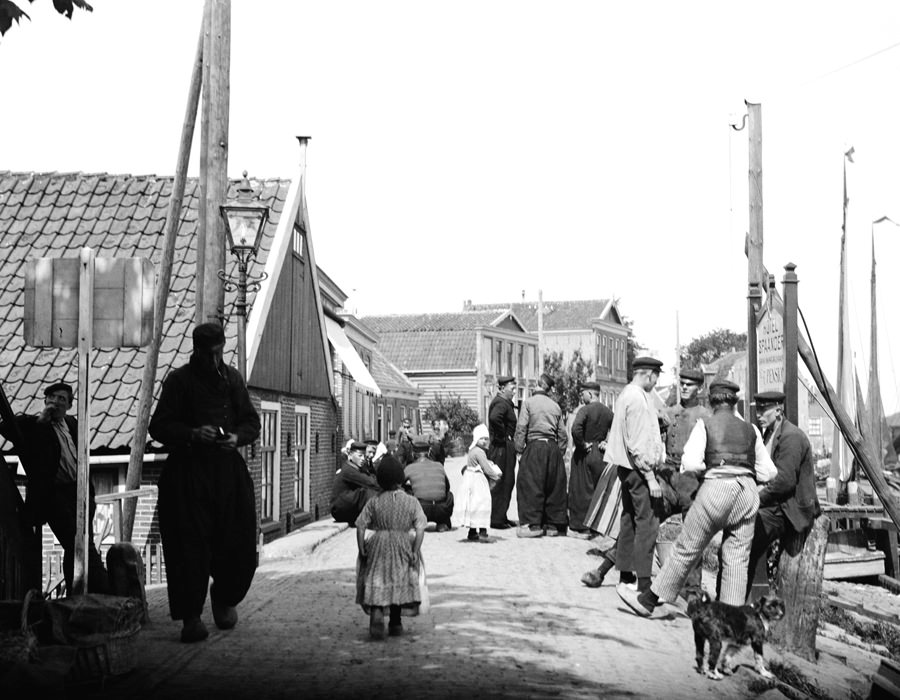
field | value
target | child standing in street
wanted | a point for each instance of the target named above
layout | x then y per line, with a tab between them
390	574
476	491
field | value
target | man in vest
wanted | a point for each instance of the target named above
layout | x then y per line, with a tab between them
429	483
541	440
732	457
502	451
678	488
788	505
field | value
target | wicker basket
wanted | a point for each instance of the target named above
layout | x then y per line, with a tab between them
20	645
113	657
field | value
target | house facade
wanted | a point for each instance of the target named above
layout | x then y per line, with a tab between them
593	326
289	358
450	354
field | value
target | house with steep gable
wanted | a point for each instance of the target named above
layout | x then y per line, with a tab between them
459	354
593	326
289	357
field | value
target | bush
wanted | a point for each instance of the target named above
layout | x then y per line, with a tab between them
461	417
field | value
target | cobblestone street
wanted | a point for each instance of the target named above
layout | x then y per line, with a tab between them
509	618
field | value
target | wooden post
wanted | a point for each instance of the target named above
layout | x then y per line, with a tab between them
799	583
754	302
151	362
540	315
85	333
791	379
213	161
755	273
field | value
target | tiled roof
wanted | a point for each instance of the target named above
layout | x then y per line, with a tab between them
56	214
429	350
461	321
558	315
388	376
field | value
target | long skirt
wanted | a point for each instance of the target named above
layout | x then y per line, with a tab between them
586	472
605	511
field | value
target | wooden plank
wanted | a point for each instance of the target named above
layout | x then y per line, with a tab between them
85	329
860	609
133	297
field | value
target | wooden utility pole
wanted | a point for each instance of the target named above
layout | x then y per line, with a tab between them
755	274
791	378
151	362
540	315
213	161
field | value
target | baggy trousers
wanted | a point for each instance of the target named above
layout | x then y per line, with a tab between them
504	456
63	522
726	504
541	485
207	519
639	525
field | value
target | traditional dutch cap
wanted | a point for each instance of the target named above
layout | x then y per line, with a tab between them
59	386
480	431
692	375
650	363
370	441
723	386
768	398
590	386
208	336
357	446
421	442
503	381
390	473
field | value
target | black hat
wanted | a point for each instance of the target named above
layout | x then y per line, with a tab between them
357	446
548	380
723	386
590	386
420	442
390	472
370	441
506	379
208	335
692	375
59	386
768	398
650	363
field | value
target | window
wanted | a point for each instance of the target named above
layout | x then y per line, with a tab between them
403	414
509	358
379	423
601	358
520	351
301	459
390	418
498	357
269	458
297	243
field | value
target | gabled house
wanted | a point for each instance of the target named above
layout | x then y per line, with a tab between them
289	360
459	353
593	326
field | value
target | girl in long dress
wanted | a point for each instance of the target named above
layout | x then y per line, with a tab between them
476	491
389	570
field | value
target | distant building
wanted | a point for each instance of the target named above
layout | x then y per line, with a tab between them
459	353
593	326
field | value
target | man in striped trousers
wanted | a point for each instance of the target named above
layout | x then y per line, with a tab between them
733	458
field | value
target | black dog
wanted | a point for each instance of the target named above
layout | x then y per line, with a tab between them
732	627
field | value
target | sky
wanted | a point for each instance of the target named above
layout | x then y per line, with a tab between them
492	150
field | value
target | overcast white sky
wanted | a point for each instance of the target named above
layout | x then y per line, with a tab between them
476	150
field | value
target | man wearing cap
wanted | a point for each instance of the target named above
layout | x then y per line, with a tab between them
731	455
788	505
679	488
47	445
541	440
371	449
353	485
207	505
589	431
634	446
440	439
502	450
429	483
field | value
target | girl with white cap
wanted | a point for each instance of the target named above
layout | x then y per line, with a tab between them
476	491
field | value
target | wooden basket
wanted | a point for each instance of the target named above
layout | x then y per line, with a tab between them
20	645
115	656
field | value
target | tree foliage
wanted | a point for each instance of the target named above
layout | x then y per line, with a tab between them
461	417
568	378
12	12
633	348
711	346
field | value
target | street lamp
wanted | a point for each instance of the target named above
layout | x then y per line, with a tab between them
244	220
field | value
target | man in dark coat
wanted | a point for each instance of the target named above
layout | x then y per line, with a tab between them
48	451
788	505
589	430
541	439
502	450
207	505
441	439
353	486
